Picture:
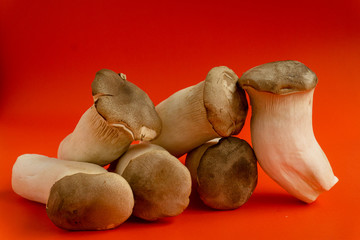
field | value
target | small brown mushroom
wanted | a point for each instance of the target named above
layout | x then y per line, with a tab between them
160	182
215	107
224	173
121	113
90	201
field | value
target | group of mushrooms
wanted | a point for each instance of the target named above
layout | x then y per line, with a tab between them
147	180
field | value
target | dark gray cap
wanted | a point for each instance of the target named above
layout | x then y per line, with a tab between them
120	101
281	77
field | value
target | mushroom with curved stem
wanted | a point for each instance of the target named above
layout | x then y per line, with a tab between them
224	173
33	175
121	113
90	201
215	107
281	97
160	182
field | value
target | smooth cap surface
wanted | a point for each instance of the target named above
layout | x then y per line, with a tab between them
227	174
225	101
119	101
90	201
281	77
161	185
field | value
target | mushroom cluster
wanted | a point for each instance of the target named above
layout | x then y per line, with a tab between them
147	180
79	192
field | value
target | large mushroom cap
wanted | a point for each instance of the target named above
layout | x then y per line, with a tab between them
90	201
227	174
281	77
119	101
161	185
225	102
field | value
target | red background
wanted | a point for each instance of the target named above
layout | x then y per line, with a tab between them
51	50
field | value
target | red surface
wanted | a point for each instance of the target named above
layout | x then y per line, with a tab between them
51	50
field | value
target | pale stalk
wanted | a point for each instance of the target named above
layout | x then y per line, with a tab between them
185	125
285	145
94	140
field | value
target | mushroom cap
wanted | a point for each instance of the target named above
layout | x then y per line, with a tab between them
281	77
227	174
121	102
161	185
90	201
225	101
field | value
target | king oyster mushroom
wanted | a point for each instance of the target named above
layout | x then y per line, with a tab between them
281	97
33	175
121	113
215	107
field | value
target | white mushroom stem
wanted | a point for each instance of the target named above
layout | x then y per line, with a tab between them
285	145
216	107
95	140
33	175
184	121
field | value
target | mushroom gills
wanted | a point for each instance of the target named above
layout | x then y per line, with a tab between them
94	140
121	113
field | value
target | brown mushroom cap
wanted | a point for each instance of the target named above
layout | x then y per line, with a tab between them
90	201
120	101
281	77
225	101
161	185
227	174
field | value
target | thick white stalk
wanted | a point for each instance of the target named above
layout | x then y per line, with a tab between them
285	145
184	121
95	140
213	108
